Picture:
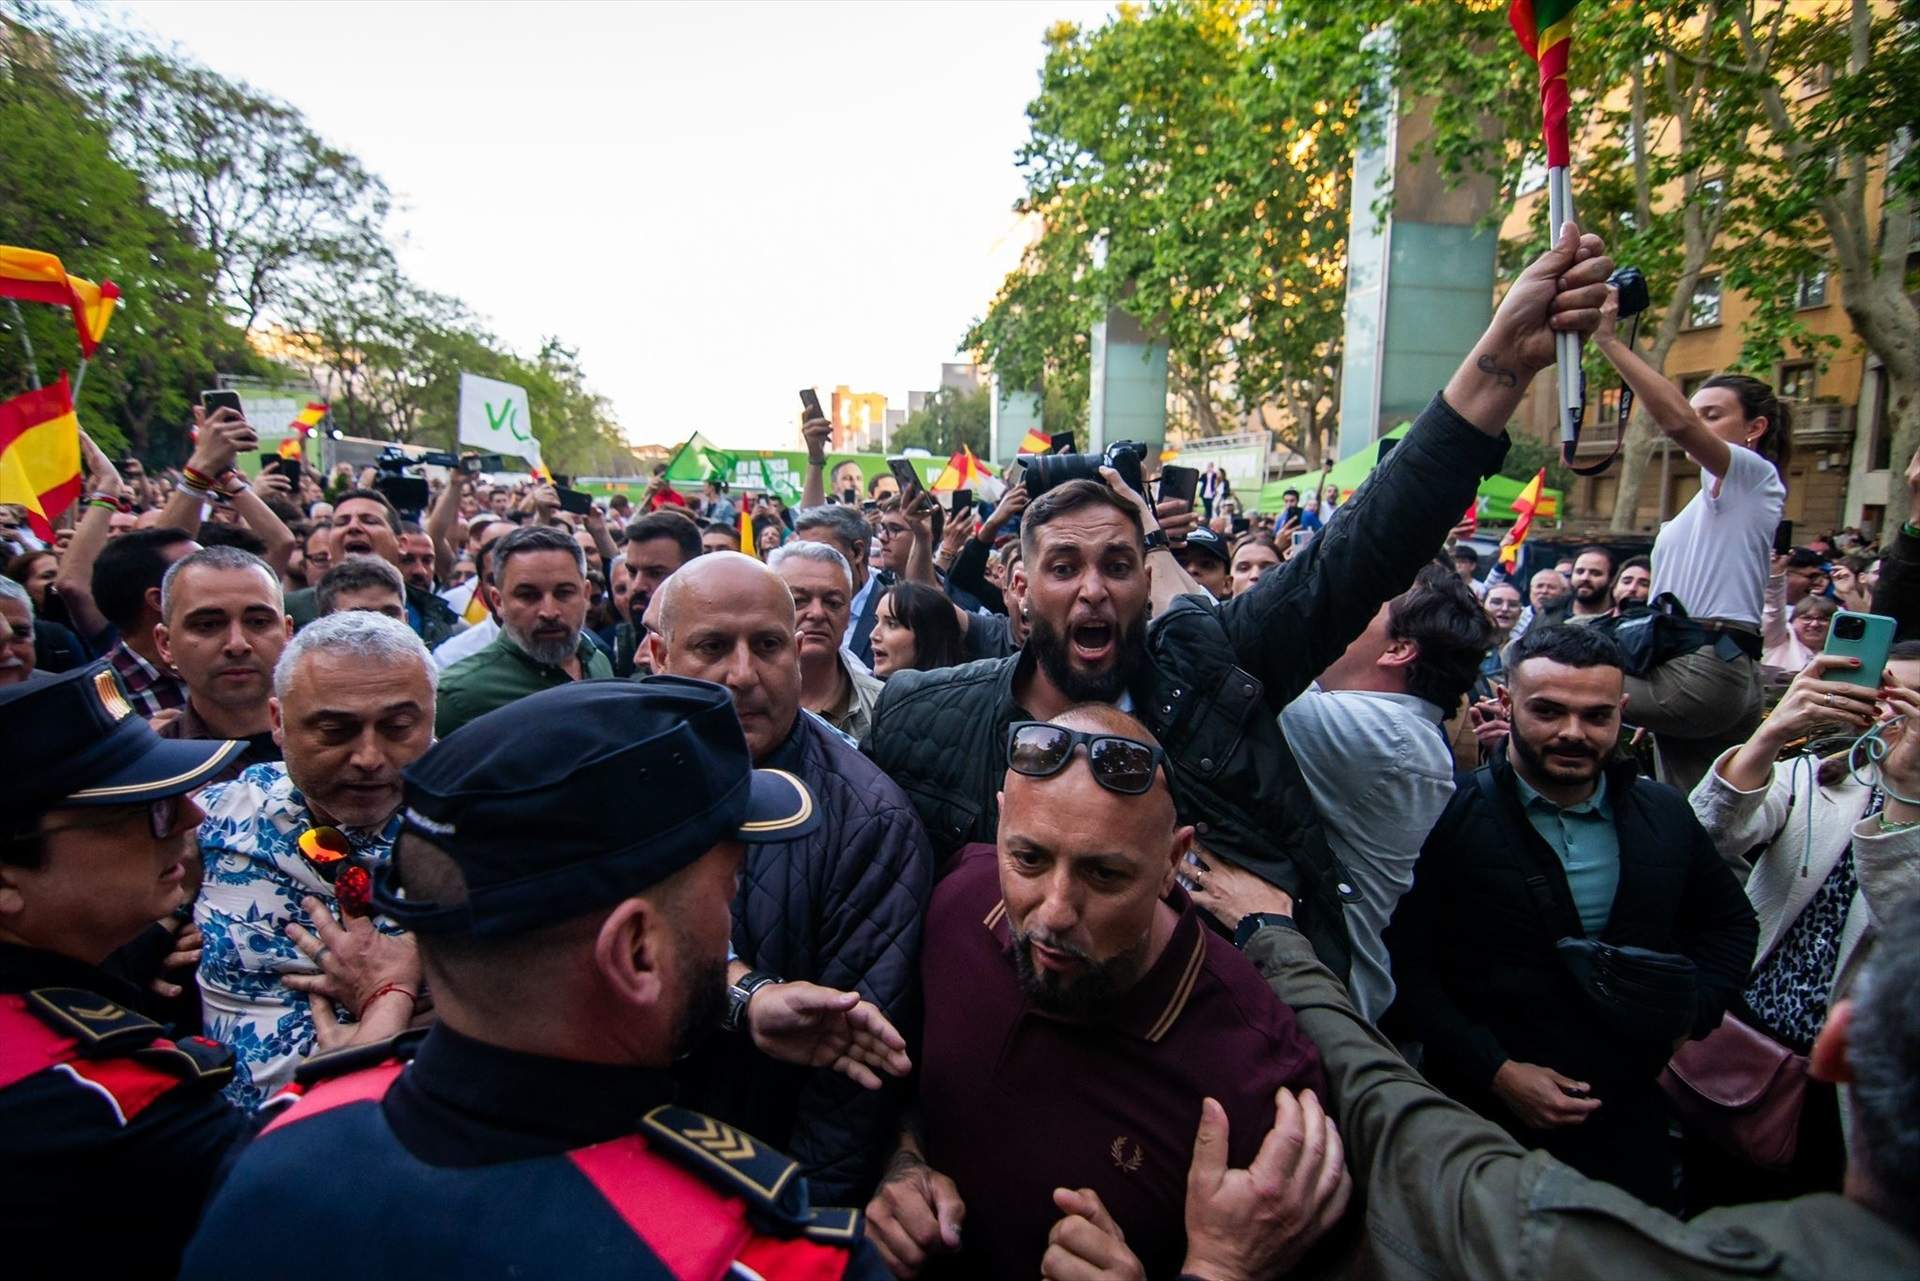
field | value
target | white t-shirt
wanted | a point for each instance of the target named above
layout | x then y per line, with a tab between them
1713	556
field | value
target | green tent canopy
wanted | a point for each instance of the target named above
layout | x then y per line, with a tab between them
1496	492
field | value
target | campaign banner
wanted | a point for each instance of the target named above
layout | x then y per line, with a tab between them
494	418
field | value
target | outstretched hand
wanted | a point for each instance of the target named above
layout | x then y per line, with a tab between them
1261	1221
816	1026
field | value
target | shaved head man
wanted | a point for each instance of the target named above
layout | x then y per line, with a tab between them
727	618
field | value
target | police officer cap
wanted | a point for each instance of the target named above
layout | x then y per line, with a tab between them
1209	543
580	796
76	740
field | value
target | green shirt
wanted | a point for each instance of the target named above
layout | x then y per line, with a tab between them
499	674
1584	837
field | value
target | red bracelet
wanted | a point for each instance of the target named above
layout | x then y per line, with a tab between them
382	990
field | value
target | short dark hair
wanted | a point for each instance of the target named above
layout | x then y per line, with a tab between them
928	614
127	567
373	496
357	574
1465	555
1566	645
1289	493
1634	562
1446	622
411	527
1071	497
534	538
682	529
214	534
1595	549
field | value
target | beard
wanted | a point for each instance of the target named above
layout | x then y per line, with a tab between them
706	1002
1593	595
1051	650
1537	763
552	652
1086	999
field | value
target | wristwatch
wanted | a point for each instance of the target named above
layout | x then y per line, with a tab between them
1157	541
1253	922
738	994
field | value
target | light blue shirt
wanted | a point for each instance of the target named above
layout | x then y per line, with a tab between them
1588	844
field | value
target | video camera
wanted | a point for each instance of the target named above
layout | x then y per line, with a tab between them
1044	471
1632	285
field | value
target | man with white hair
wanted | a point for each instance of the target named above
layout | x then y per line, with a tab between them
16	634
222	629
352	706
832	684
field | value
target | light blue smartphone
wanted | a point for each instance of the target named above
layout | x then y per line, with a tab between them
1867	637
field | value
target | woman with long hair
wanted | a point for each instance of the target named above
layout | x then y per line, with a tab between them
1713	557
35	571
914	629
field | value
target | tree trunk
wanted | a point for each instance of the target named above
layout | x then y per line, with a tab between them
1889	324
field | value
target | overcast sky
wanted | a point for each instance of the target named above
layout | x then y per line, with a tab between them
717	203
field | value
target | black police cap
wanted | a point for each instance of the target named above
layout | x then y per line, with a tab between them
76	740
580	796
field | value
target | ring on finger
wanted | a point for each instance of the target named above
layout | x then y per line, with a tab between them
320	957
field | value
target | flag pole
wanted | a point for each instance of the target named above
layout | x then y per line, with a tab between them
26	341
79	376
1566	346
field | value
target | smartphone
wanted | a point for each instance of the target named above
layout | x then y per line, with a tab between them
909	481
1301	537
1783	538
849	496
577	501
811	401
288	467
1178	482
407	493
1867	637
962	500
1062	443
218	399
561	480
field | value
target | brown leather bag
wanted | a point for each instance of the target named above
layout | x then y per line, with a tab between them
1742	1090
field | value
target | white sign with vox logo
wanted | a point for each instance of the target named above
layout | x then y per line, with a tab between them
494	418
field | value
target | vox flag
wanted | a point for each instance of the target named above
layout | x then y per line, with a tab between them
494	418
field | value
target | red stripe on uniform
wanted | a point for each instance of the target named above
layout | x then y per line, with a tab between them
361	1087
799	1260
694	1230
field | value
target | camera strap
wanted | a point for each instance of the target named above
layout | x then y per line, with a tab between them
1620	436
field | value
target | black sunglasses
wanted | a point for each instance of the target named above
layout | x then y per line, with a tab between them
1040	750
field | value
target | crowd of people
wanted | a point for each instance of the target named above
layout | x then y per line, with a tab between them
1081	885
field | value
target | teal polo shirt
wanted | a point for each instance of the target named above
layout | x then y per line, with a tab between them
1588	844
500	674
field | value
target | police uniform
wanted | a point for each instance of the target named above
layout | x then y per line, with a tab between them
1454	1195
110	1131
444	1155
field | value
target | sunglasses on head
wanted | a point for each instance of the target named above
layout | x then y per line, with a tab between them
1040	750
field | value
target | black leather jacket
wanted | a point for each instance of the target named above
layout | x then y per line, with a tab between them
1218	677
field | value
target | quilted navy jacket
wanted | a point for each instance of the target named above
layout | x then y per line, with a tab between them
843	907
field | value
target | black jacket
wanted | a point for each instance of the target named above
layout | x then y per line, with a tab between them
1898	592
1219	676
1473	952
844	907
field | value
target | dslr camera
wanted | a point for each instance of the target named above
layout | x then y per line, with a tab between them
1124	456
1632	285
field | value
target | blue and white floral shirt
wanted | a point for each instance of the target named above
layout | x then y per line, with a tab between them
255	879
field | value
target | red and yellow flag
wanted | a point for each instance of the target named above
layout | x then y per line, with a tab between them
1035	442
32	275
40	454
1524	508
748	543
307	419
1545	28
963	471
289	447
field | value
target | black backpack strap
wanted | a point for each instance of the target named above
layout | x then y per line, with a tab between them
1538	886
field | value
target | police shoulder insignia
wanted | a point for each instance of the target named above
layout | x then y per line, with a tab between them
191	1058
833	1225
103	1028
768	1181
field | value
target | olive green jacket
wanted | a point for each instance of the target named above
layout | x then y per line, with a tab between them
503	673
1450	1194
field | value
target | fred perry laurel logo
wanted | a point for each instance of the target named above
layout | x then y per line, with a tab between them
1127	1154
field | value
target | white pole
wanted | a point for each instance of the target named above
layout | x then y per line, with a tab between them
26	341
1566	346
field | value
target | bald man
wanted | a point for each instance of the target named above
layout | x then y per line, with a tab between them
842	907
1078	1012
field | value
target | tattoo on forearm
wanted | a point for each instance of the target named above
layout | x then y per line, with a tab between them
1505	377
903	1164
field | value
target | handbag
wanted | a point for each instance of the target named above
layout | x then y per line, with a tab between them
1652	634
1741	1090
1646	995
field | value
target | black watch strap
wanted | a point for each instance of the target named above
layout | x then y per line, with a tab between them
738	994
1157	539
1253	922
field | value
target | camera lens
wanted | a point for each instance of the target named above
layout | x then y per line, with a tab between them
1850	629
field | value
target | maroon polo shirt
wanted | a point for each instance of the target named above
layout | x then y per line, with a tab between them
1017	1103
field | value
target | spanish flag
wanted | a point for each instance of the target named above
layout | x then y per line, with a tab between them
1035	442
748	543
31	275
289	447
40	454
476	610
307	419
963	471
1524	507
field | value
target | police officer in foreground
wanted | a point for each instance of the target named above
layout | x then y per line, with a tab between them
109	1131
568	864
1449	1193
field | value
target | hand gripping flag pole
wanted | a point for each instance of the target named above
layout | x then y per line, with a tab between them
1545	29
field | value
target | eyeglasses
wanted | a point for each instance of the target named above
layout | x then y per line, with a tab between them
1039	750
161	817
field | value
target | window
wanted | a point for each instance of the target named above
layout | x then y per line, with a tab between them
1690	383
1880	437
1704	311
1811	290
1796	380
1712	193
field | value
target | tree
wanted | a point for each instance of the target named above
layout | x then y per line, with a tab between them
951	418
